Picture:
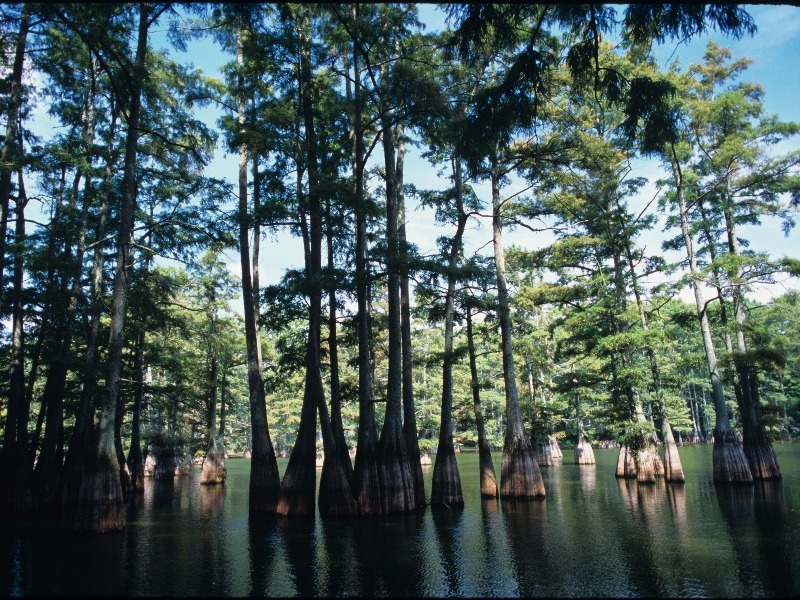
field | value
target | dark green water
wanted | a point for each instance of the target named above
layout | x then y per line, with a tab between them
593	536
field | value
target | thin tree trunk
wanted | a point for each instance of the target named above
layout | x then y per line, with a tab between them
135	459
11	152
488	479
409	413
14	467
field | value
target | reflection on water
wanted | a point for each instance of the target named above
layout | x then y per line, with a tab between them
593	535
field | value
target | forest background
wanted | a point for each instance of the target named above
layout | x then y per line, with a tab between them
185	364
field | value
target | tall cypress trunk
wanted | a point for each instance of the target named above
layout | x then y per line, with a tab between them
264	476
52	467
520	476
396	477
135	460
409	413
337	423
729	461
296	497
366	472
446	486
100	505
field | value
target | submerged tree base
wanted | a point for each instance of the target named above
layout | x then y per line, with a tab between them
214	471
762	460
446	486
520	476
584	455
335	495
729	461
487	473
99	507
264	484
648	464
673	470
544	455
626	465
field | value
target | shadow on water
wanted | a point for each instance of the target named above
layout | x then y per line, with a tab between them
524	520
448	526
765	564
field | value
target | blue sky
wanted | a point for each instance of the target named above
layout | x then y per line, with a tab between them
775	50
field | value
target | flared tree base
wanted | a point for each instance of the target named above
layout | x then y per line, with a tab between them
544	455
626	465
214	471
729	461
648	464
264	484
100	507
520	476
397	482
367	479
555	449
446	486
488	478
762	460
335	495
673	470
584	455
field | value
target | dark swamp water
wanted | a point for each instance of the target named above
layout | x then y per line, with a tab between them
593	536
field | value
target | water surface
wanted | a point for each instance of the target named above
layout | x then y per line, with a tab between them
592	536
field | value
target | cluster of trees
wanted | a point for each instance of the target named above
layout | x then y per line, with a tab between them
511	350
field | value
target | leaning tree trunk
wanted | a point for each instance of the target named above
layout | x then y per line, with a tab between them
100	505
446	487
264	476
729	461
488	479
520	476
